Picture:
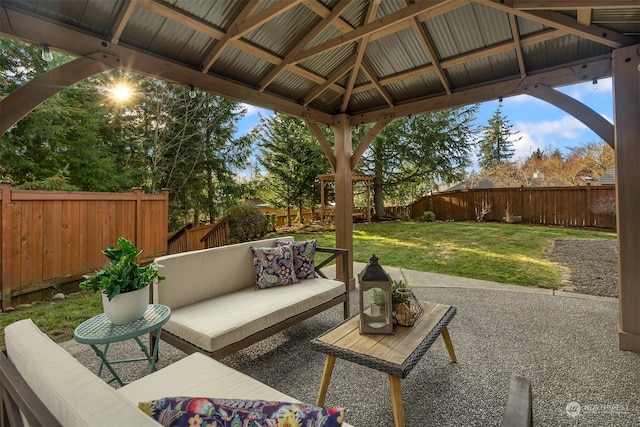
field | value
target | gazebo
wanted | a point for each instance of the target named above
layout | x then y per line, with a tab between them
326	210
354	62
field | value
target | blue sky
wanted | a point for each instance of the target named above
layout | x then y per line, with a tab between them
539	124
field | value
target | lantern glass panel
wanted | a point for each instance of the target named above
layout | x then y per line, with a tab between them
376	315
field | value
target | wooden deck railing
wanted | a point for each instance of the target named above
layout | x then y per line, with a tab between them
179	241
220	234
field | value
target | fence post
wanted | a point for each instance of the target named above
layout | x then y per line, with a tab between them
588	204
165	216
137	191
5	252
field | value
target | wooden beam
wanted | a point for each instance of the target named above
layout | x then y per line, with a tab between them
308	38
566	23
515	33
368	139
121	20
324	144
323	11
31	28
423	37
23	100
383	90
626	111
237	30
344	192
594	121
573	4
221	44
362	47
435	6
332	79
584	16
179	16
595	67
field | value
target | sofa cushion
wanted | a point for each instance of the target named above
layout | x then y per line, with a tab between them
200	323
209	273
304	254
189	411
73	394
273	266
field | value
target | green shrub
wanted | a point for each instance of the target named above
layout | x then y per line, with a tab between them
429	216
403	217
246	223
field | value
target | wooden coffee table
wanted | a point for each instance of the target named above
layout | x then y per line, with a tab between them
395	354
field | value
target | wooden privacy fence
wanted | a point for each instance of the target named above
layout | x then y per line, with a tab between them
584	206
54	237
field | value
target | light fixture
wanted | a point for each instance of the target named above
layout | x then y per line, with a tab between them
500	101
594	84
46	53
192	92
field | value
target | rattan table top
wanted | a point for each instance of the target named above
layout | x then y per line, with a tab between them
395	354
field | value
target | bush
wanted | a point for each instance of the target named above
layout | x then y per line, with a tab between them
403	217
246	223
429	216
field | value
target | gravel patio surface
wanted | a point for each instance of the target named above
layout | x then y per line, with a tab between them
564	343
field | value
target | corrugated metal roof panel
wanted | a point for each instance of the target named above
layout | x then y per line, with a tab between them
365	100
527	27
493	24
326	63
282	33
142	28
504	64
356	13
395	53
291	85
626	21
218	12
330	33
328	100
470	38
442	38
458	76
238	65
388	7
415	87
361	78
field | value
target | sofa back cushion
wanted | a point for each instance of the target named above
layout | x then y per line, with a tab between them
192	277
73	394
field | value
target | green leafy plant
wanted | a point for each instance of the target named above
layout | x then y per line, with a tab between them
122	273
379	297
429	216
402	295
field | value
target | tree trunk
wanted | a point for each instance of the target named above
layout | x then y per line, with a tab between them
300	212
378	196
288	215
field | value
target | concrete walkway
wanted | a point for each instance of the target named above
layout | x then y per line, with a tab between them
563	342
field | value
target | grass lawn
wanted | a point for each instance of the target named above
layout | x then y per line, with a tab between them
505	253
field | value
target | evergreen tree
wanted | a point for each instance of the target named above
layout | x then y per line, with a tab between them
293	159
412	154
496	145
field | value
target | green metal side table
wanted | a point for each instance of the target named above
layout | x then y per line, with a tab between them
99	331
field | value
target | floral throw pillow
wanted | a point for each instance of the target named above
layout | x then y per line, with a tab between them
273	266
304	254
206	412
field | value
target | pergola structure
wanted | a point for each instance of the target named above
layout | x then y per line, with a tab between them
330	177
353	62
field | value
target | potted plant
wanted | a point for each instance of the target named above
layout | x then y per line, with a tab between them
379	301
123	283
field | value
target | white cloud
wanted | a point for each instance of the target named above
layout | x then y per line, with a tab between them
548	133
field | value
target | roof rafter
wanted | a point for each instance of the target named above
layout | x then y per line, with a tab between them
435	7
572	4
362	47
584	16
471	56
308	38
515	33
215	53
330	80
566	23
121	21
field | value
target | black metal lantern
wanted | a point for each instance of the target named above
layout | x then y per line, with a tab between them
375	299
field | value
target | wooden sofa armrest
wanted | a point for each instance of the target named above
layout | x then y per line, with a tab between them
344	256
17	398
519	410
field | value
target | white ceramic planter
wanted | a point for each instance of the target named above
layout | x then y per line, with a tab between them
127	307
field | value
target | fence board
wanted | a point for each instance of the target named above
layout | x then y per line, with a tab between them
52	237
584	206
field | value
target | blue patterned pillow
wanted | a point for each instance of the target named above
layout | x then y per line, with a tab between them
273	266
205	412
304	254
